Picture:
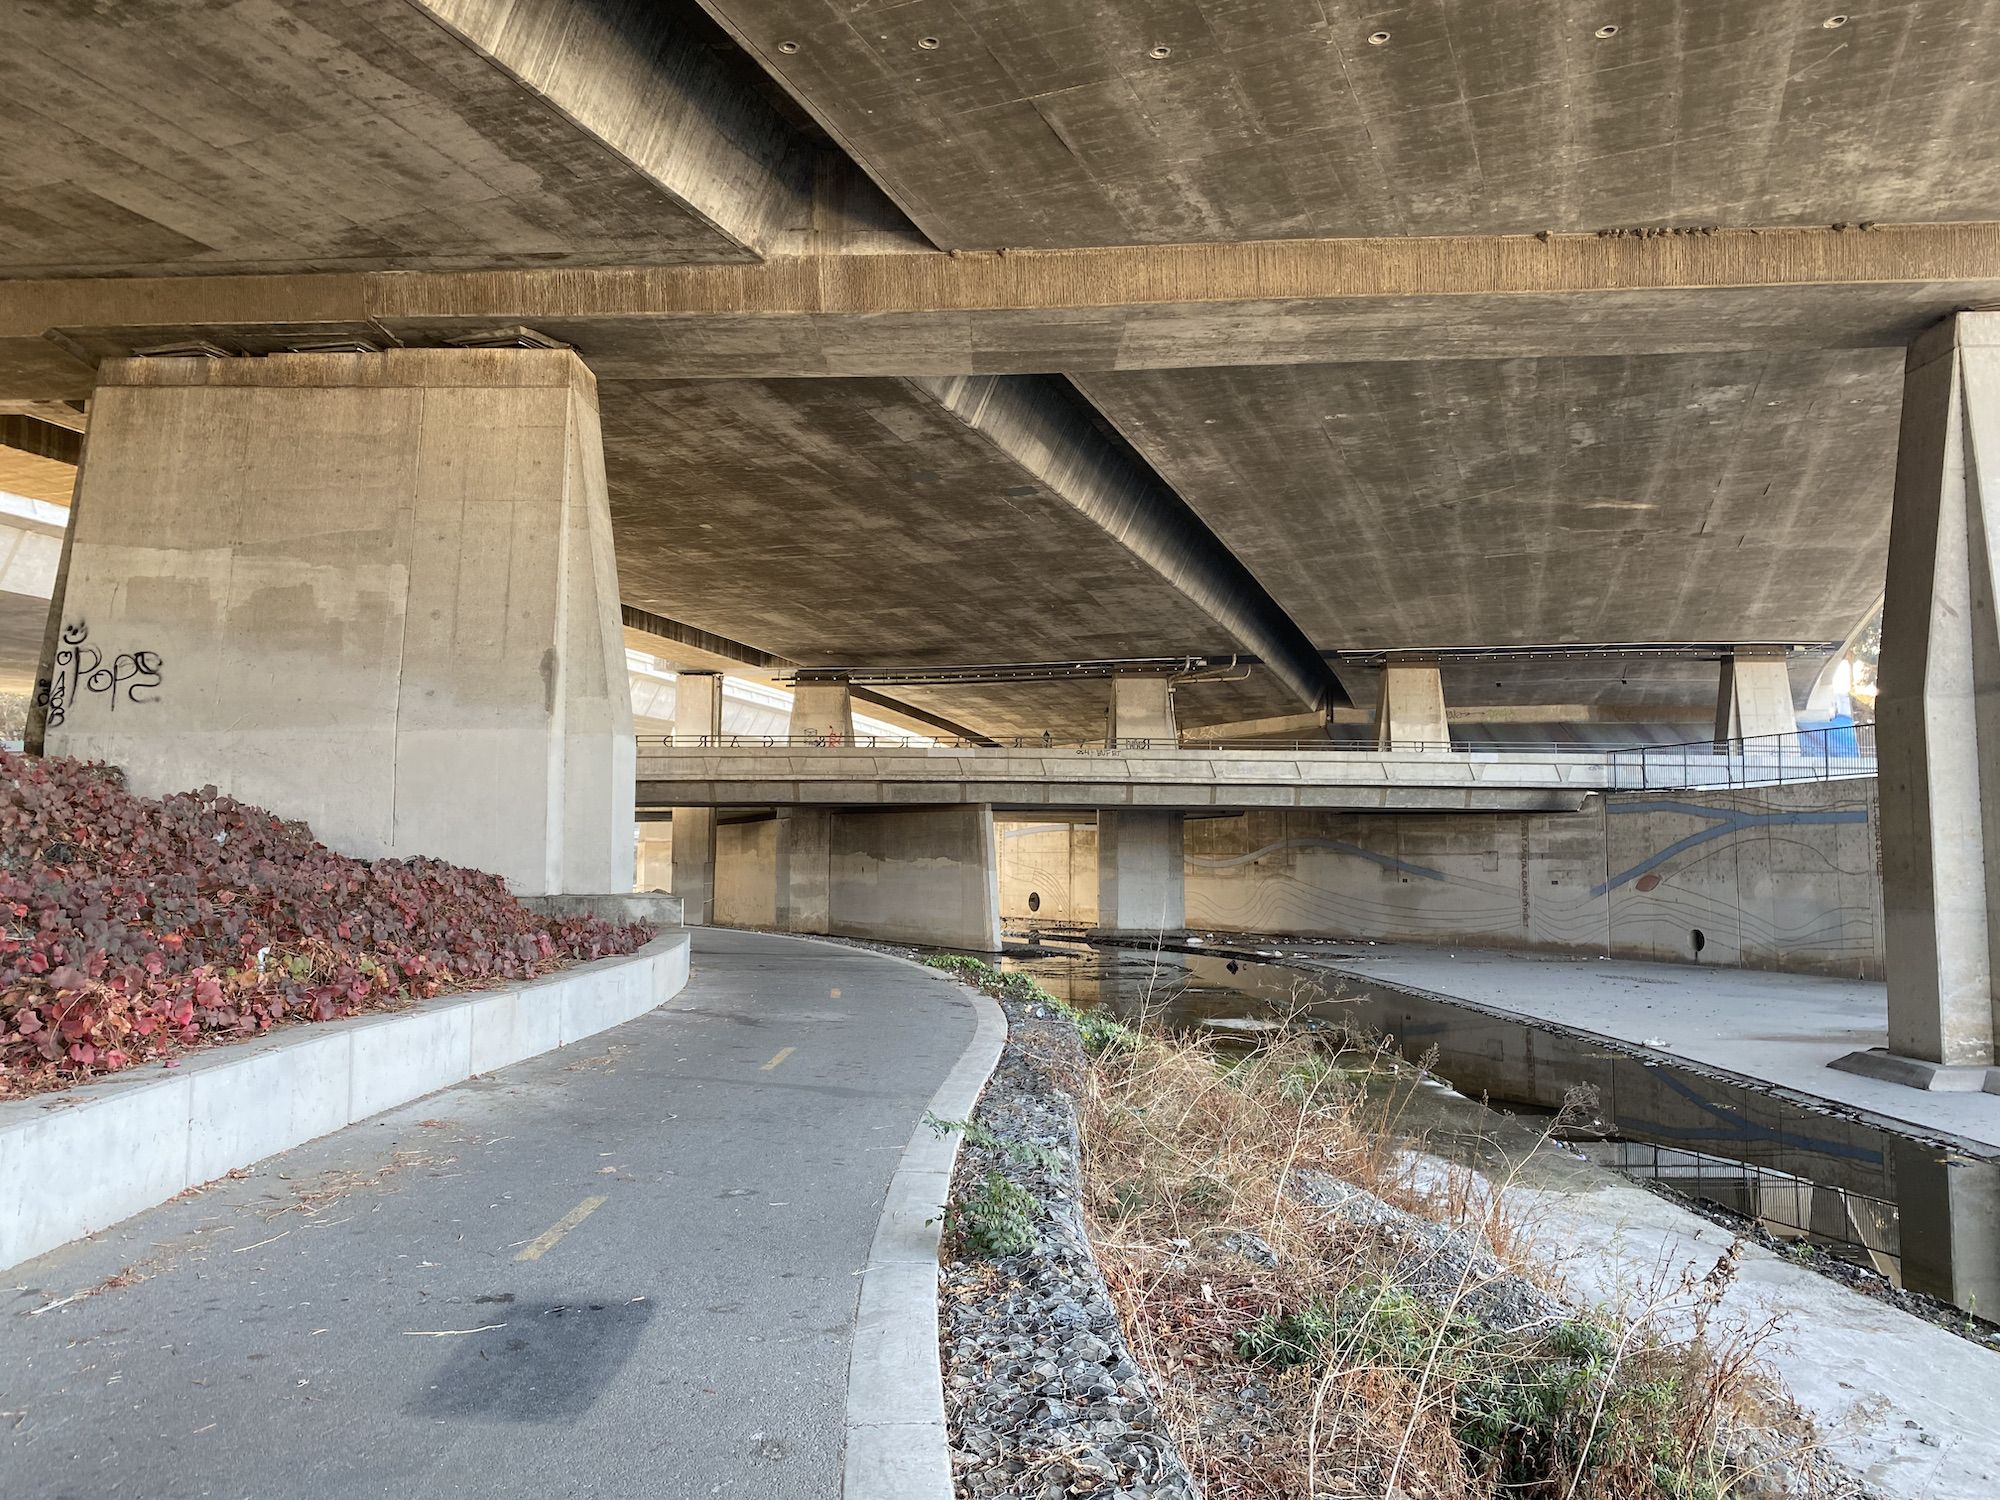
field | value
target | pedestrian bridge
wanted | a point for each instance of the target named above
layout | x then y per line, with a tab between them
827	771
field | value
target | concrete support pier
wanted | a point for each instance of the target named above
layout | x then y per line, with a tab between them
1409	713
805	869
697	710
373	591
1142	713
1938	719
926	875
823	709
1754	697
1141	874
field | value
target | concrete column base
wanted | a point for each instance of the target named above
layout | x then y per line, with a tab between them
1920	1073
1141	875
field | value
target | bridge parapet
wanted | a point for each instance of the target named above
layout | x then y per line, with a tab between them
1082	779
751	770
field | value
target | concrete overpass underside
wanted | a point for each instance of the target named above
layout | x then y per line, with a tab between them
924	336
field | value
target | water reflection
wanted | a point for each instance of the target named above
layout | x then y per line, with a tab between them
1918	1211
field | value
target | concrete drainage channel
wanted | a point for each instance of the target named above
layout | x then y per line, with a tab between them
150	1134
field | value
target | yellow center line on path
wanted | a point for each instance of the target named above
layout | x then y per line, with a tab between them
783	1053
544	1242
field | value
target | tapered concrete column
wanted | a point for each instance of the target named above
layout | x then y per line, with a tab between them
1753	699
697	703
656	856
373	591
1142	709
693	864
1938	718
1409	711
805	869
927	875
697	711
1141	873
823	709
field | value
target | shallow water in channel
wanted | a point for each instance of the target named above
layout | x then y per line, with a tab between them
1915	1211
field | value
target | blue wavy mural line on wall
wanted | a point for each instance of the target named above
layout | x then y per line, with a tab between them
1740	1129
1724	822
1734	1126
1339	846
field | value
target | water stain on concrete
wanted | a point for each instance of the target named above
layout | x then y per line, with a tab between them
548	1362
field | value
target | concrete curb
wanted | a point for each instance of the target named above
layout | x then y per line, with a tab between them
74	1163
897	1447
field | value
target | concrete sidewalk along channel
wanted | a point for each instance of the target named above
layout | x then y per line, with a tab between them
152	1136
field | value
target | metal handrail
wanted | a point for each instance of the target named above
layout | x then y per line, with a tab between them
1827	753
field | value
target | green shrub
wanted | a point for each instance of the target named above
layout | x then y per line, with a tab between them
997	1218
961	963
1283	1340
1525	1407
1024	1153
1100	1033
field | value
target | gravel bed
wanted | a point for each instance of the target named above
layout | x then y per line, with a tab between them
1042	1394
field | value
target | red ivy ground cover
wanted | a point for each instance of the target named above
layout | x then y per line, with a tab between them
135	928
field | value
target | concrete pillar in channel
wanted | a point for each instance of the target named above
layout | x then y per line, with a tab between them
1938	718
697	711
1409	710
656	853
1948	1217
805	869
926	875
1753	700
373	591
1141	873
823	708
1142	713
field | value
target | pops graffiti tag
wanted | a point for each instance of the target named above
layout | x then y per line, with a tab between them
81	672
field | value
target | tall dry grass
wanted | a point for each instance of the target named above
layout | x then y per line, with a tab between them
1301	1352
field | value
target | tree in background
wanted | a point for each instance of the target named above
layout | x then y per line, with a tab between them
1866	656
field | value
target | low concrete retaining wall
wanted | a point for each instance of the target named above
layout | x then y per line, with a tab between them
617	907
79	1161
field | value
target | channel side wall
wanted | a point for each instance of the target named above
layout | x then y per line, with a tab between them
1781	877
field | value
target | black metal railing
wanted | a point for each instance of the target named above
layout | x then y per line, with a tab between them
1834	753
